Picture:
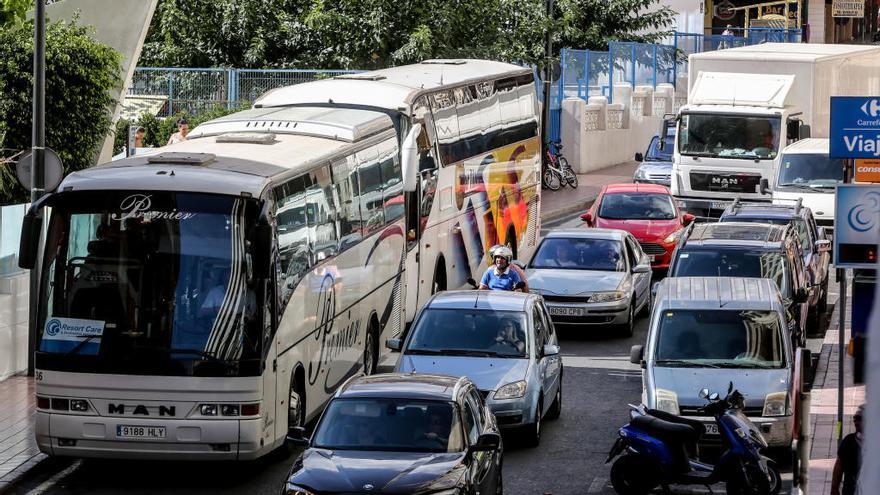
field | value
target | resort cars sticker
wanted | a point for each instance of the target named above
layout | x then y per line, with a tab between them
138	206
65	334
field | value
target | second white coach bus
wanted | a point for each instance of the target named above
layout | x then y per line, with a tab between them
197	302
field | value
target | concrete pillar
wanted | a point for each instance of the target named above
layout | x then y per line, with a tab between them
572	124
622	95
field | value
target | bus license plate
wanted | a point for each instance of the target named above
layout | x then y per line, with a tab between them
129	431
564	311
711	429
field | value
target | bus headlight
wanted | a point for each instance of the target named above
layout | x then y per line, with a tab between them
666	400
775	404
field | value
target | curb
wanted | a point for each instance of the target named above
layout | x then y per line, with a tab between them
552	216
9	481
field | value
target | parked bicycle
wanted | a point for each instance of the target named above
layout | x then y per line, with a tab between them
556	168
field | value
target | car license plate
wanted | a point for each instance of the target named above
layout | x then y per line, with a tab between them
129	431
711	429
565	311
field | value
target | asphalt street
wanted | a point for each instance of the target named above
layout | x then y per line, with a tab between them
598	383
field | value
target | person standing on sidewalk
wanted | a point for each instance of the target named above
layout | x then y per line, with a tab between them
849	459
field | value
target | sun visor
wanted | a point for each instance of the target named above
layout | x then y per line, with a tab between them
730	88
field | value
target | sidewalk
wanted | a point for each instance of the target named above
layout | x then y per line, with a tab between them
18	448
823	407
566	201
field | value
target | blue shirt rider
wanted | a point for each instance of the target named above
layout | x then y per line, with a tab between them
500	276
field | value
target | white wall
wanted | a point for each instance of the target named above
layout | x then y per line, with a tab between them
13	324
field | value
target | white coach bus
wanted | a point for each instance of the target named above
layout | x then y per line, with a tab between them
197	302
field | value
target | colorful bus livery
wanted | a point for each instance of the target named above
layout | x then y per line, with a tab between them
198	301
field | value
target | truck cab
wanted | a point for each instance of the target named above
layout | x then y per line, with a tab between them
806	172
729	139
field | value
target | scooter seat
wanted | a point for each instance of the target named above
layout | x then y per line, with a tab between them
667	431
698	426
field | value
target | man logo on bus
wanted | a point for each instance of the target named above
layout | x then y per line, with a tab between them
53	327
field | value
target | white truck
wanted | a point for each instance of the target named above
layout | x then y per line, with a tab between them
746	104
807	173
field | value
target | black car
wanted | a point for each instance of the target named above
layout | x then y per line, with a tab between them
401	433
815	247
748	250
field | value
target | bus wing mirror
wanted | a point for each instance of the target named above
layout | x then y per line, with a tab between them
262	250
409	155
31	226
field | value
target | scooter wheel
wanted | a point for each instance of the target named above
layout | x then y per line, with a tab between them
754	482
630	476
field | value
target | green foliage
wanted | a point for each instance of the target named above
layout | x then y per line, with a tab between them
80	73
13	11
158	131
365	34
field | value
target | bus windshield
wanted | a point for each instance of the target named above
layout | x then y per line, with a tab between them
150	283
751	137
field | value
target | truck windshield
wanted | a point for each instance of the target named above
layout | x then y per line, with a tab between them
749	137
150	283
720	338
812	171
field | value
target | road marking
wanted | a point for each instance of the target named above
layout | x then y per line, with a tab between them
49	483
597	485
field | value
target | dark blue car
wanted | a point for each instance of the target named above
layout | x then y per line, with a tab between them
401	433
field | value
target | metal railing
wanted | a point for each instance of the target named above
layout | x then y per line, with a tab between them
194	90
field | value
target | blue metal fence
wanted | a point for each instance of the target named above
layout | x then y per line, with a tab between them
195	90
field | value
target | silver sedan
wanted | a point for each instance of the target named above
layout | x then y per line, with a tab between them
592	277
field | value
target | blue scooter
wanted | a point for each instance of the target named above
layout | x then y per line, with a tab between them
658	448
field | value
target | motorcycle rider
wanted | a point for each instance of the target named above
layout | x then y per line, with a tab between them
524	285
500	276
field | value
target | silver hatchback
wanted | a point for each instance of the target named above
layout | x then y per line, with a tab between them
504	342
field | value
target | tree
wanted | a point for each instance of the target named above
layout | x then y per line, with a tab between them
13	11
365	34
80	73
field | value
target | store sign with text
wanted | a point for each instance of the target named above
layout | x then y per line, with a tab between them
867	170
848	8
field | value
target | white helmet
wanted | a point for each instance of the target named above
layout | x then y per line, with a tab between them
492	252
503	252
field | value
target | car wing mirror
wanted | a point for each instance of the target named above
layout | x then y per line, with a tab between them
654	289
587	217
704	393
550	350
823	245
394	344
642	269
687	219
764	186
636	354
297	436
488	441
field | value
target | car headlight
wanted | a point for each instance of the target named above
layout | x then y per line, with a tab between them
673	236
776	404
614	295
513	390
295	490
666	400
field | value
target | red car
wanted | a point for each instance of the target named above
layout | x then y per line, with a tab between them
647	211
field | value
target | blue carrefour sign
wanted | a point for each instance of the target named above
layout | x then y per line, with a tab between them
856	226
855	127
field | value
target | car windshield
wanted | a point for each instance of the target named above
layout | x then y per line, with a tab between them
470	332
396	425
733	263
580	254
655	154
720	337
729	136
637	206
151	283
810	170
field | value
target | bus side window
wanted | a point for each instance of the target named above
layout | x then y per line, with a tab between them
293	233
370	177
348	218
392	182
321	210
